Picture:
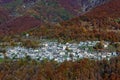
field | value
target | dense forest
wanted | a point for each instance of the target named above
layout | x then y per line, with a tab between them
101	23
12	12
82	28
84	69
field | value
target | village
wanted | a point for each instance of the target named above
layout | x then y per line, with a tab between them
60	52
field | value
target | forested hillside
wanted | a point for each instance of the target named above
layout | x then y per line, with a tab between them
42	11
100	23
85	69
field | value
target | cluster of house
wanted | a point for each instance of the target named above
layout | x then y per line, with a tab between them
60	52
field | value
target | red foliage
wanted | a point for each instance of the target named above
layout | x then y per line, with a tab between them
110	9
18	25
83	69
4	15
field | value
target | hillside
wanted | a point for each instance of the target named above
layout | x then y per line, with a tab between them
110	9
42	11
83	69
94	25
50	10
13	14
78	7
18	25
4	15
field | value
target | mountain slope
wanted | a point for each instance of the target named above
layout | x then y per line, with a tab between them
110	9
49	10
56	9
4	15
101	23
18	25
80	6
40	11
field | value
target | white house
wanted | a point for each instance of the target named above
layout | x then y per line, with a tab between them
62	53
